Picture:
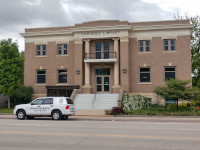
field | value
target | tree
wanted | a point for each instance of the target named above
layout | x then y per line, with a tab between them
177	90
11	68
195	50
22	95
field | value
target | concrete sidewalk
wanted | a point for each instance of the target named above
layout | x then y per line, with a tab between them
121	118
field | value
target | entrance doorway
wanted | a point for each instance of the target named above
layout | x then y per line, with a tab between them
103	83
102	79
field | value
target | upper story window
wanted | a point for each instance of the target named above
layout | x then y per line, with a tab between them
40	50
170	73
41	76
144	45
169	44
62	49
102	50
62	76
144	74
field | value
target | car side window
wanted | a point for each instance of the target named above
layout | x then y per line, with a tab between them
48	101
37	102
69	101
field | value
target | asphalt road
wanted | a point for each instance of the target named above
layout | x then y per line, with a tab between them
46	134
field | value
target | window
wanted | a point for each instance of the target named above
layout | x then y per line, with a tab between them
41	76
144	74
48	101
69	101
149	100
170	101
169	45
103	71
102	50
37	102
170	72
62	76
62	49
144	45
41	50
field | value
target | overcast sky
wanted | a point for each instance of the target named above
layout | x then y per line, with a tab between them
16	15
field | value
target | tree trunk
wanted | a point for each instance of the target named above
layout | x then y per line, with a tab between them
177	104
8	102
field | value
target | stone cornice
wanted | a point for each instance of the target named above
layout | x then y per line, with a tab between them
162	27
45	33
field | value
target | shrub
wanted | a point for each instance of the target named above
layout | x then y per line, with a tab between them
171	106
22	95
116	110
134	102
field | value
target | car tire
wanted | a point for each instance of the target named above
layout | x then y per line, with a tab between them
64	117
21	114
56	115
30	117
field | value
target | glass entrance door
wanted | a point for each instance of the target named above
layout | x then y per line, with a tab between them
102	84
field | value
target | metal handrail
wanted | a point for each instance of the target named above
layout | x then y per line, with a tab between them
94	99
101	55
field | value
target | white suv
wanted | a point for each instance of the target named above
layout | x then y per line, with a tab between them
55	107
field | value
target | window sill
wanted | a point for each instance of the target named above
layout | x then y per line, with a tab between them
144	52
62	84
40	56
40	84
169	52
61	55
145	83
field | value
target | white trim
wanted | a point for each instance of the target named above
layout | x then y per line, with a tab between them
101	60
45	33
161	27
40	56
62	55
145	52
145	83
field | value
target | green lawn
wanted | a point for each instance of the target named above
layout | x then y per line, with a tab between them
6	110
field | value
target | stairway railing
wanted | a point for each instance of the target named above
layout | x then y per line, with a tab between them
94	99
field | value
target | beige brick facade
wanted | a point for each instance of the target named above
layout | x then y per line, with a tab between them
124	68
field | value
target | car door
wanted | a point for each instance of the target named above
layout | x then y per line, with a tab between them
35	107
47	106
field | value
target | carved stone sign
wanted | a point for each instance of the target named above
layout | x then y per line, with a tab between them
100	33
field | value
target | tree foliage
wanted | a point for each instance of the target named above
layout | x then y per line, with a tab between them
22	95
176	89
11	67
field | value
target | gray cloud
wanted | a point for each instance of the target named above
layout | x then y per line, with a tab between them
16	15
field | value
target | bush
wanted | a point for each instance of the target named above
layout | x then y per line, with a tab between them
22	95
171	106
116	111
134	102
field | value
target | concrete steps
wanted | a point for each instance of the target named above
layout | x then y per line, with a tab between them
96	102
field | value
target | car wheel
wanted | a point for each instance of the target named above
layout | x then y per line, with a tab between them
30	117
56	115
21	114
64	117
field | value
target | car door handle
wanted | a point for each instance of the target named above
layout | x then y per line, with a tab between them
39	106
51	105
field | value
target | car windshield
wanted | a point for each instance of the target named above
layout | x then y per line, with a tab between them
69	101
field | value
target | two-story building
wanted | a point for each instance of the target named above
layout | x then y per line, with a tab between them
106	56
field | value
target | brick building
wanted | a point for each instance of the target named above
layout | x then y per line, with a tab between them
106	56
